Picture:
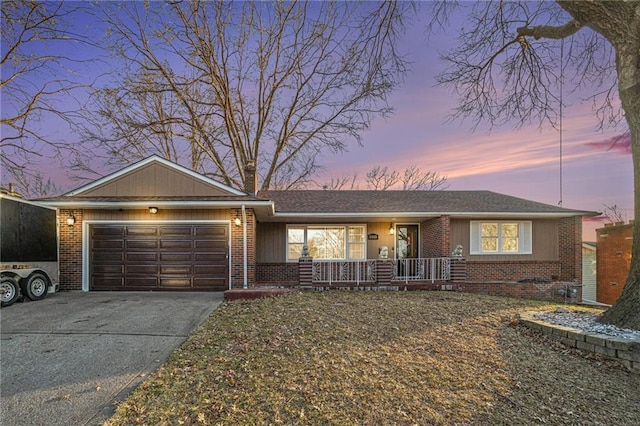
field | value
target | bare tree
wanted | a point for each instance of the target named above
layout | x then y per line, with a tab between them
218	84
512	58
414	179
614	214
382	178
34	80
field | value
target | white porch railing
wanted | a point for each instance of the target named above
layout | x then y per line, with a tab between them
344	271
422	269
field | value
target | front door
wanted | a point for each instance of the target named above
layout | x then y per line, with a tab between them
407	244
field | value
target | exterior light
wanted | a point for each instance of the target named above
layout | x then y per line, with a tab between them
237	221
71	220
153	210
392	229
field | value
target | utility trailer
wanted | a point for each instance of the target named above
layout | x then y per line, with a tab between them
28	250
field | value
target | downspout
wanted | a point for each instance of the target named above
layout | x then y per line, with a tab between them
244	247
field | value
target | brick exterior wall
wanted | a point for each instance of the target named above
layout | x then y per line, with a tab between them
570	248
512	270
436	237
70	243
278	274
560	292
613	261
237	256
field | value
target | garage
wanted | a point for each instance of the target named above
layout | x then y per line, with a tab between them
159	256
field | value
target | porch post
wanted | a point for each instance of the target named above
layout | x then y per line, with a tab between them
384	269
305	272
458	272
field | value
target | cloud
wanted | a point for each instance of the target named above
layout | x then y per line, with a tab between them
620	144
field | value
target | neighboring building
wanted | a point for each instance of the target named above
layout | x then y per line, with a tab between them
614	260
589	272
157	225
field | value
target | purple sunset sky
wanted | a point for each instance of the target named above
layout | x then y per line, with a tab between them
523	163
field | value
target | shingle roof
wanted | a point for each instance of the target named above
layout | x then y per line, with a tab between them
358	202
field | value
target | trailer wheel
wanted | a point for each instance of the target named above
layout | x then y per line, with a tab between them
36	286
9	291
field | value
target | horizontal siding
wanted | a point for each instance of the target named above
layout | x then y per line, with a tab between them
154	180
163	214
545	241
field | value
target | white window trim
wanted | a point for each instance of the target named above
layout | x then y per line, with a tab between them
346	227
525	238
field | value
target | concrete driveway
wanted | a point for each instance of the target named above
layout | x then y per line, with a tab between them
67	359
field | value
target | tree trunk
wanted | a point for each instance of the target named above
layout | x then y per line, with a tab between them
626	311
619	22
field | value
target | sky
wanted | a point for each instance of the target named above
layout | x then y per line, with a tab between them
524	163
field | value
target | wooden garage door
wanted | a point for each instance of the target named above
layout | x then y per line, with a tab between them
159	257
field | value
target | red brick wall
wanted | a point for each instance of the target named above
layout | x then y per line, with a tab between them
436	237
554	291
285	274
237	259
613	261
70	243
570	248
512	270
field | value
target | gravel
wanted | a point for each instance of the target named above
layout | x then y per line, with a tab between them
586	321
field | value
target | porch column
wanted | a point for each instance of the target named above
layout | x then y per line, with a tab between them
458	272
384	270
305	272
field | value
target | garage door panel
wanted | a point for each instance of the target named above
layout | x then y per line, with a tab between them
170	257
141	231
142	244
172	231
109	283
217	284
210	257
108	244
107	257
142	257
140	269
113	269
175	269
159	256
175	282
175	244
140	282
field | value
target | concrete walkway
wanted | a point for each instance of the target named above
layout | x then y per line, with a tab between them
67	359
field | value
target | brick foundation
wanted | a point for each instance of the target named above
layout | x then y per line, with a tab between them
277	274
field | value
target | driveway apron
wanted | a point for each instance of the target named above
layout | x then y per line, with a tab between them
69	358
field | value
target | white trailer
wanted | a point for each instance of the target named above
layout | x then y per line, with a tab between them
28	250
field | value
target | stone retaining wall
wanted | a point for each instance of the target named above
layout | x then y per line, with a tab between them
625	351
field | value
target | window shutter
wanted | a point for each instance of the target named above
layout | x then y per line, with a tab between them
474	244
526	245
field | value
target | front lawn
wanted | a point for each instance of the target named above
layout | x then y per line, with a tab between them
373	358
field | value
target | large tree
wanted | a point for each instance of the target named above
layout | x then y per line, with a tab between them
510	62
36	63
214	85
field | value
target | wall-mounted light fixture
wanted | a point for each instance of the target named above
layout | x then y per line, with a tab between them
392	229
153	210
237	221
71	220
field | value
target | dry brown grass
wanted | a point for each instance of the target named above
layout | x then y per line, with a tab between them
373	358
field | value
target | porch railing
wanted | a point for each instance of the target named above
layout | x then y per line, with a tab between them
422	269
344	271
364	271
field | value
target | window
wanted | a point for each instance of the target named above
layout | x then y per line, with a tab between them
501	237
326	242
